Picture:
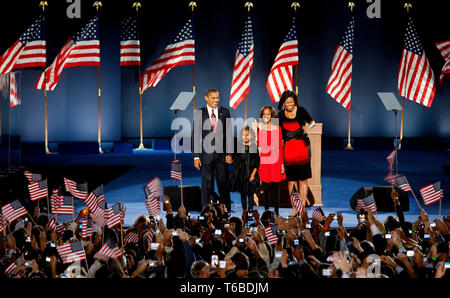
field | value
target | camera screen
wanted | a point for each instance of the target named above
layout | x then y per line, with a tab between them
308	226
53	244
278	254
242	240
388	236
201	218
327	234
47	259
281	232
410	253
296	242
426	236
218	232
222	264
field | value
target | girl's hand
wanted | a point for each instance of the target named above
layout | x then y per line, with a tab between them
282	169
252	177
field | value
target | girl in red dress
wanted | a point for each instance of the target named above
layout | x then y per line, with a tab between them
271	166
294	122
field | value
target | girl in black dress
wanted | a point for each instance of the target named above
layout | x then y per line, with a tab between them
245	178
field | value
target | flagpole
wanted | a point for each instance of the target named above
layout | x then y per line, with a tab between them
413	193
43	4
440	205
294	5
351	5
137	5
97	5
407	6
193	4
249	5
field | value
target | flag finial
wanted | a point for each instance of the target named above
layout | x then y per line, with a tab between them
294	5
407	6
43	4
249	5
351	4
97	5
192	5
137	5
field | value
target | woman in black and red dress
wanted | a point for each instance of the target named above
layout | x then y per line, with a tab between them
294	123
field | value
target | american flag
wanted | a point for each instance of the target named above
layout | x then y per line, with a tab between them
14	99
14	211
340	82
60	229
71	252
280	76
32	177
296	201
153	187
180	52
240	85
95	198
319	214
444	48
28	51
130	47
402	183
271	234
108	251
152	203
66	207
83	49
113	215
51	224
11	267
78	190
175	170
432	193
38	190
415	76
56	199
3	222
390	160
99	215
131	237
86	228
370	204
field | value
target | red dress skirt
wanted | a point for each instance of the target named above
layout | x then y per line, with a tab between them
296	155
271	155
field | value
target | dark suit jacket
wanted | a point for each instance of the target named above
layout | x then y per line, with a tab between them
203	135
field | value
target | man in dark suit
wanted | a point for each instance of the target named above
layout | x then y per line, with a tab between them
211	149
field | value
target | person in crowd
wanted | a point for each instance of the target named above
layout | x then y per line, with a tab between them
271	166
245	177
295	122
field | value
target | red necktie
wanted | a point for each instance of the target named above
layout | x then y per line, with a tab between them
213	121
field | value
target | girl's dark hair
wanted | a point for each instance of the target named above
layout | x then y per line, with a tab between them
286	94
252	134
273	113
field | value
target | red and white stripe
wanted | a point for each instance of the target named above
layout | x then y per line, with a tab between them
36	193
430	195
86	229
340	82
130	52
106	252
14	99
240	85
56	200
66	207
33	54
444	48
72	187
280	77
71	252
131	237
270	236
153	206
154	186
13	213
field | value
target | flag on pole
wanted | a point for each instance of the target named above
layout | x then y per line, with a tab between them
132	236
296	201
240	84
180	52
83	49
28	51
56	199
60	229
87	228
319	214
402	183
11	267
415	76
153	187
370	204
78	190
339	84
38	190
113	215
444	48
108	251
390	160
51	224
432	193
99	215
271	234
66	206
280	77
130	47
32	177
152	203
95	198
175	171
13	211
14	99
3	222
71	252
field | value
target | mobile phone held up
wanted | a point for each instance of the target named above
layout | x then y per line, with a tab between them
214	261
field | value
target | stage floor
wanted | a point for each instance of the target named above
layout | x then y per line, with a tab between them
343	173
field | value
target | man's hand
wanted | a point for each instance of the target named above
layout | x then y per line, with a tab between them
197	163
229	159
182	211
440	270
340	261
166	204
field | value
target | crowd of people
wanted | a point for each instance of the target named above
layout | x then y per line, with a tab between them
218	245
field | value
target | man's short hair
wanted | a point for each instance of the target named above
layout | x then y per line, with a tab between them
197	267
211	90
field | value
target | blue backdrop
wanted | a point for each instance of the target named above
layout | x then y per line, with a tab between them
72	106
